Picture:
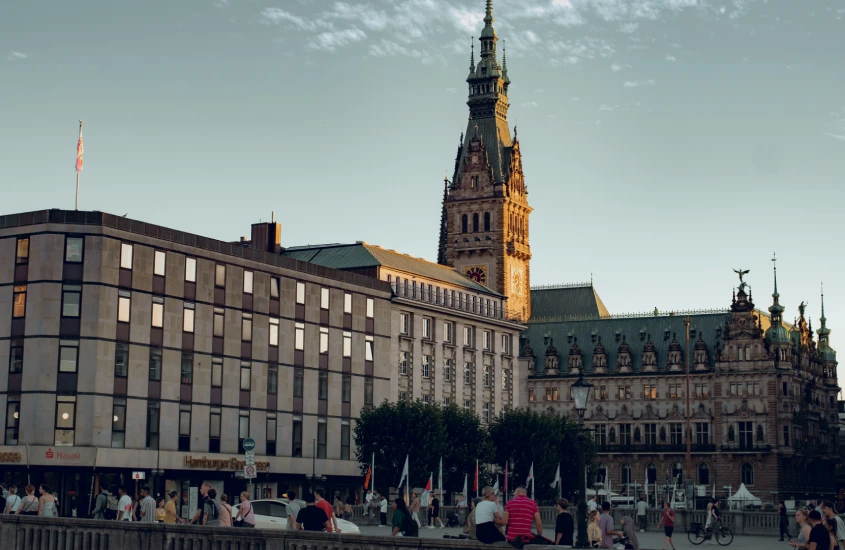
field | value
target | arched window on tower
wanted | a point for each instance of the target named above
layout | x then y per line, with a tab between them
703	474
464	223
626	474
475	223
746	474
487	221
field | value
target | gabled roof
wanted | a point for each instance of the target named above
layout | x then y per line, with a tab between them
566	301
363	255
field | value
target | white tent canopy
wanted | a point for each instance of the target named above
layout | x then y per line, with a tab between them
601	493
743	496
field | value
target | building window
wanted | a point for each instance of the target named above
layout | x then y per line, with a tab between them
347	344
487	221
324	298
345	438
71	300
347	303
506	344
298	379
404	359
447	370
184	428
447	401
272	380
368	391
73	249
467	404
299	336
675	391
468	337
271	434
22	251
246	327
125	256
216	372
274	332
65	420
447	332
188	318
321	437
246	375
68	355
625	392
368	348
155	364
190	270
274	287
13	420
243	427
121	360
488	337
746	435
757	389
487	376
702	433
650	391
159	258
16	356
346	388
678	473
220	275
624	434
746	474
300	292
370	308
626	474
702	391
296	437
124	301
187	368
676	434
158	312
214	431
426	399
118	425
323	387
19	302
219	317
426	327
600	393
248	282
600	434
651	434
475	223
464	223
506	380
404	323
703	474
467	373
426	366
324	340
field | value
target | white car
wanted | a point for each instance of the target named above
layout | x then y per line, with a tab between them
273	514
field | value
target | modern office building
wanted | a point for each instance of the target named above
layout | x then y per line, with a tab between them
138	348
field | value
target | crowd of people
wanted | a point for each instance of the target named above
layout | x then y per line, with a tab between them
44	505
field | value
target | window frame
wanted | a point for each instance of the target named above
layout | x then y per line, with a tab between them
296	436
273	337
16	344
68	344
159	352
218	313
322	437
346	389
67	257
157	301
190	269
15	425
220	275
71	400
246	376
369	348
371	308
299	337
127	252
18	291
325	297
156	255
246	327
323	385
187	358
300	292
347	344
121	353
187	326
216	362
249	282
345	439
22	259
124	297
118	422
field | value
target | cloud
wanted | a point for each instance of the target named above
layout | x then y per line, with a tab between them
835	136
616	67
574	98
608	107
539	91
279	16
629	28
331	40
531	104
671	58
639	83
17	56
451	90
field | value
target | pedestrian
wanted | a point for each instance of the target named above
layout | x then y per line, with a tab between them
402	522
312	518
3	494
564	525
100	504
668	522
470	526
324	505
46	503
592	504
124	505
13	501
819	535
211	511
147	507
629	531
642	514
293	509
829	513
715	515
225	511
434	511
338	506
170	515
488	519
607	527
593	529
461	510
160	515
246	516
804	528
198	516
383	512
783	522
830	524
29	504
414	509
811	505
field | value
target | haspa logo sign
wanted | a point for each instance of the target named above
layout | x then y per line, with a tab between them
63	457
49	453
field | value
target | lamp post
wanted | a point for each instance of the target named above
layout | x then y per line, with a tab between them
581	393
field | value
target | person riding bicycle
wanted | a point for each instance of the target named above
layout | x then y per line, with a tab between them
715	517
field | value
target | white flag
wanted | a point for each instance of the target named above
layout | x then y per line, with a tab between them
404	473
530	474
556	482
466	496
440	479
496	485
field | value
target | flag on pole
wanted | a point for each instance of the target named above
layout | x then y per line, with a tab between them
506	481
79	150
531	479
426	496
367	478
496	485
440	480
475	481
466	496
404	473
556	482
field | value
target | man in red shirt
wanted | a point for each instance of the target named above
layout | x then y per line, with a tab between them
324	505
520	512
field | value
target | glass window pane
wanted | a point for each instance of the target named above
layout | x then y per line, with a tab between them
274	287
272	381
155	364
121	359
70	304
67	359
274	332
324	298
22	252
126	256
299	341
347	303
184	423
188	321
218	323
300	293
248	277
158	315
347	344
246	330
271	429
368	350
73	249
370	308
243	427
214	425
158	263
19	304
220	275
123	309
118	440
64	415
245	378
191	270
187	374
119	418
217	374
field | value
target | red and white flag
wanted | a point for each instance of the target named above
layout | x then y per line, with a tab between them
475	480
79	151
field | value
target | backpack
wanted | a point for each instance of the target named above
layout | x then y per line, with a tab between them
215	510
111	508
409	526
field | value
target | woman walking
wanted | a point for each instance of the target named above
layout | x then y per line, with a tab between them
29	504
630	532
246	516
564	525
160	515
668	522
804	529
47	503
593	529
784	521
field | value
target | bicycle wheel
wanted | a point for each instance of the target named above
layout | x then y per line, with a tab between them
696	536
724	536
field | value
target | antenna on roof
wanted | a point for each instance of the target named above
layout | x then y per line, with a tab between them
591	280
272	216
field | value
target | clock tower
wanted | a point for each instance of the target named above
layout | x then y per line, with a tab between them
484	224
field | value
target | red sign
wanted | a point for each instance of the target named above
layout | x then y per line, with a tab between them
49	453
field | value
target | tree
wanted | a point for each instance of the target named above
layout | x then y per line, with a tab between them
523	437
467	441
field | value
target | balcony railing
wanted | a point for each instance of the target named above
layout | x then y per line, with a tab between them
458	301
657	448
737	448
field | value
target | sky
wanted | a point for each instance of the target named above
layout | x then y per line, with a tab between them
664	142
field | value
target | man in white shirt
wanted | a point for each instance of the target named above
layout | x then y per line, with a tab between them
383	512
124	506
642	510
592	504
12	501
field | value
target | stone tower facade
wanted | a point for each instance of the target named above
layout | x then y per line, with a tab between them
484	224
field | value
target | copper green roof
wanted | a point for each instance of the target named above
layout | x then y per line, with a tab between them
362	255
566	301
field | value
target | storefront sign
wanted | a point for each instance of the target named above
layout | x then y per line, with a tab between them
62	457
139	475
222	464
10	457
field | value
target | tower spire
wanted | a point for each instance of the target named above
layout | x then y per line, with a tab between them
488	15
472	55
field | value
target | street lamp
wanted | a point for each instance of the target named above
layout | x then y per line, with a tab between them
581	394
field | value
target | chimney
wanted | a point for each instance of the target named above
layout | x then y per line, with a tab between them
267	236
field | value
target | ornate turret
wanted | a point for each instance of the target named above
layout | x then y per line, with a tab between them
623	356
576	359
552	361
599	358
649	356
700	359
828	355
777	333
675	355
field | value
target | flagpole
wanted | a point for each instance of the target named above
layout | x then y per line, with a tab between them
78	164
373	477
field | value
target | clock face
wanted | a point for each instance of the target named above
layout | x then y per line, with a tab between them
475	159
477	273
516	280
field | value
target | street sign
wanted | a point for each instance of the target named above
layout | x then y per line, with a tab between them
250	454
139	475
249	444
249	471
250	461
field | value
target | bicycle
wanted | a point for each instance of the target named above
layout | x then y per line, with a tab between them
697	534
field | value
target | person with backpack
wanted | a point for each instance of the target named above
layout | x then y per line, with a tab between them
12	501
101	503
403	522
211	510
110	513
